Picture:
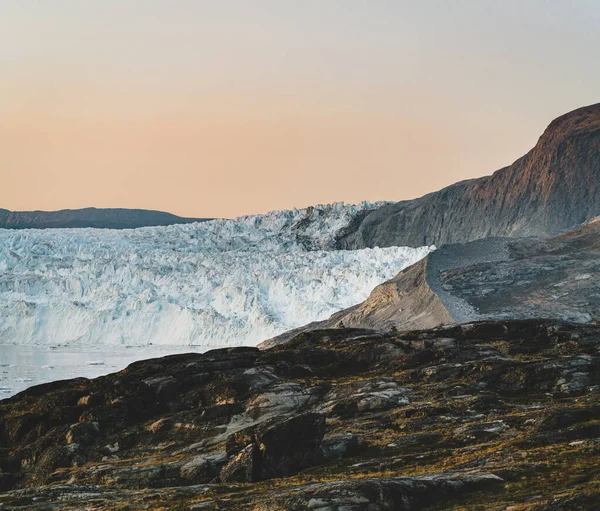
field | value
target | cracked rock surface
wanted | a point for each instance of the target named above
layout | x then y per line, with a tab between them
483	415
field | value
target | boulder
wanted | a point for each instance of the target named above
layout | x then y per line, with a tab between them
276	448
243	468
291	445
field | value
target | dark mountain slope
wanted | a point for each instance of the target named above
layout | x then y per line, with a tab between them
551	189
105	218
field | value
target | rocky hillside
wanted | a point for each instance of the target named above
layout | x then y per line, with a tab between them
405	302
551	189
495	278
112	218
475	416
552	278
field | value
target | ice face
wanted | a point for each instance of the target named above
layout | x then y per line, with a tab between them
224	282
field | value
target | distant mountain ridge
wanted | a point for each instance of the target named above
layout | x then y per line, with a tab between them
553	188
103	218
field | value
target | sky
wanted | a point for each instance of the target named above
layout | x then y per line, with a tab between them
224	108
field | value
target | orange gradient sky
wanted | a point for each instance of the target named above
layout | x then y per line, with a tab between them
226	108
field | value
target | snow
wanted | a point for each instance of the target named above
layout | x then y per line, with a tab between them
223	282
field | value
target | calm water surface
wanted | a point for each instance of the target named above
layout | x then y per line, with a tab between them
24	366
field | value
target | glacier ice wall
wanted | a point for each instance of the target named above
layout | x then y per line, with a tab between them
224	282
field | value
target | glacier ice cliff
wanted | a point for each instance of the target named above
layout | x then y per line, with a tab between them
223	282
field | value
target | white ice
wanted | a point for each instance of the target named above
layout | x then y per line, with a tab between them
224	282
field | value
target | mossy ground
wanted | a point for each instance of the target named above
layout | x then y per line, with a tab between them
521	402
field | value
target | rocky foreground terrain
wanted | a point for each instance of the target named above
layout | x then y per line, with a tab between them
491	415
551	189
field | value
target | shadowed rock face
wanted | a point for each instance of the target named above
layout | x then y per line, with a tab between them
551	189
474	416
111	218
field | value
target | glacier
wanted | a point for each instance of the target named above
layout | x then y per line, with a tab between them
217	283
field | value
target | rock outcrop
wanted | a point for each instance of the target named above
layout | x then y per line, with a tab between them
275	448
405	302
475	416
102	218
552	278
551	189
495	278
